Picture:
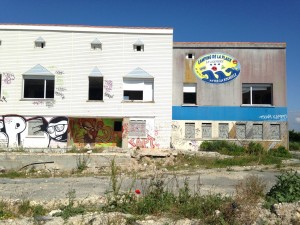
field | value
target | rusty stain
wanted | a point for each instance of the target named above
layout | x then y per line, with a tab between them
189	76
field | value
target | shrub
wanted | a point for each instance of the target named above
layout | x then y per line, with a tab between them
294	145
279	152
286	189
255	148
223	147
294	136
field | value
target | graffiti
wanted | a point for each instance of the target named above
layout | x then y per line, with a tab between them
280	117
8	77
48	104
148	142
193	144
3	99
95	132
108	84
59	72
12	129
58	93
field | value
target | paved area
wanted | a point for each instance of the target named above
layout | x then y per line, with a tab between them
211	180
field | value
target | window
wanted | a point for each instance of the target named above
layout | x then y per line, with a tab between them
38	86
189	130
138	46
40	43
137	128
96	44
257	94
190	56
189	94
241	131
0	42
95	88
117	125
275	131
138	89
34	127
257	131
223	130
206	130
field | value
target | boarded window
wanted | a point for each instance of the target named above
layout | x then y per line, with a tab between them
206	130
223	130
95	88
241	131
275	131
189	130
189	94
34	127
137	128
257	131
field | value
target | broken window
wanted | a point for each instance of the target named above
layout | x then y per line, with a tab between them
257	131
206	130
95	88
38	86
240	131
275	131
223	130
257	94
138	89
189	130
190	94
137	128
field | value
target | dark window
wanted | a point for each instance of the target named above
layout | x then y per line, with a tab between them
133	95
118	126
40	44
190	56
189	94
0	83
138	48
95	88
256	94
96	46
38	88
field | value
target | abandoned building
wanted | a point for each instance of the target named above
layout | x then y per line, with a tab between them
129	87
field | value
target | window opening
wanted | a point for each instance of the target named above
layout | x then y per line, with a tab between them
95	88
189	94
190	56
117	125
257	94
34	127
38	87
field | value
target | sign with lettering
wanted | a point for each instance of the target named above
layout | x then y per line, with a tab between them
217	68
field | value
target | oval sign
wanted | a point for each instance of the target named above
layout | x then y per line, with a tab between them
217	68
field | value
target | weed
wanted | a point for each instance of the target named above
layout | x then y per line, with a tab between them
255	148
286	189
280	152
82	162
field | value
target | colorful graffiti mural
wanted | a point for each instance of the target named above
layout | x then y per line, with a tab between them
95	132
12	129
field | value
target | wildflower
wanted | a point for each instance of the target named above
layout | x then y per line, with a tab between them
137	191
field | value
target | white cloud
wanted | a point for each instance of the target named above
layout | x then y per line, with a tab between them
297	119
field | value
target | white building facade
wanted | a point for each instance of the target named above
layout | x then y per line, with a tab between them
64	86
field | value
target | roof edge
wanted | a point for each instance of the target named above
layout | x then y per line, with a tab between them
229	44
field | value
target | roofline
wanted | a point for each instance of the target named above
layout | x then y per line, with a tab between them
229	45
86	28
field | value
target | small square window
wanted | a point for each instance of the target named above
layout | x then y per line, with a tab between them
138	48
190	56
137	128
117	125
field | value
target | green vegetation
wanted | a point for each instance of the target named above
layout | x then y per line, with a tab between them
294	140
82	162
286	189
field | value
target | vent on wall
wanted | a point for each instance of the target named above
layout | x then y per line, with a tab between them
138	46
96	44
39	43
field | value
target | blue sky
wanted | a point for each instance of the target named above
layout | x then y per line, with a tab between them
199	20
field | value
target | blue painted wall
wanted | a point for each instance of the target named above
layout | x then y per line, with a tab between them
229	113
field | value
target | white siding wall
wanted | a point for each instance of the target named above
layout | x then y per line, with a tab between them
68	51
